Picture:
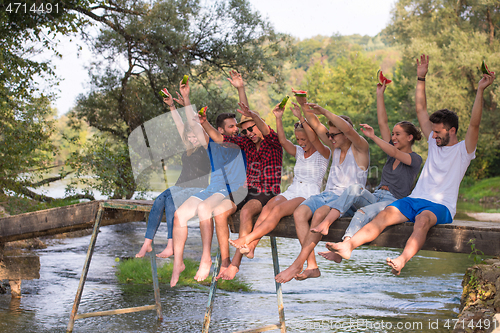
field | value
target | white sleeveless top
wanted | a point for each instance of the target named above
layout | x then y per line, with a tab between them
309	170
343	175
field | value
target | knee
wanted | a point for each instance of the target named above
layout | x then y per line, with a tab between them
300	212
423	223
245	214
203	209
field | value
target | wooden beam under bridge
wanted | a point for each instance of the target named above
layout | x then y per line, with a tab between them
452	237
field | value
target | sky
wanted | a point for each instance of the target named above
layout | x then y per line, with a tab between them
299	19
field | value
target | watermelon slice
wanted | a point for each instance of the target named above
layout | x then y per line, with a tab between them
203	111
382	78
283	102
185	79
164	93
485	69
300	93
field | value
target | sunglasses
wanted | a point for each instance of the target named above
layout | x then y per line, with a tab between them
249	129
332	135
298	125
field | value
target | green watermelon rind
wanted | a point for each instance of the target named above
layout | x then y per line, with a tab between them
185	79
163	94
485	69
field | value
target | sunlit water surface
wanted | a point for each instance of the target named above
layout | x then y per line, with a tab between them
359	295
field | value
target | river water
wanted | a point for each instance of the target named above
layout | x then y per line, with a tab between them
359	295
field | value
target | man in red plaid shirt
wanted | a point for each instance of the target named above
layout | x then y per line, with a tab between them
264	156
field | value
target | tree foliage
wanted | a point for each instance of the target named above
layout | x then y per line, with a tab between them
458	36
152	45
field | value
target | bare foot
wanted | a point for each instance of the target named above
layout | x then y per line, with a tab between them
176	272
248	251
329	255
238	243
169	250
322	228
342	249
228	273
308	273
288	274
146	247
396	265
203	270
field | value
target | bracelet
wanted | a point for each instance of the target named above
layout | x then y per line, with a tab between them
421	78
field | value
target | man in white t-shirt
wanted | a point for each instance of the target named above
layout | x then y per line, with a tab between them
434	199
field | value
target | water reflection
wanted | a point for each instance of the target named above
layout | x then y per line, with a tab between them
363	288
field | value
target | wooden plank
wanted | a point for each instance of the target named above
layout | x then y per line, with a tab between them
452	237
60	220
20	268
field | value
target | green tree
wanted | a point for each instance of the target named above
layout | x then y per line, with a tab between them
151	46
458	36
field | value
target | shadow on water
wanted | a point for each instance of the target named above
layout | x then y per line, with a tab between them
358	295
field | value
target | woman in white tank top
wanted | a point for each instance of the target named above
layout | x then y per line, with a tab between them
310	168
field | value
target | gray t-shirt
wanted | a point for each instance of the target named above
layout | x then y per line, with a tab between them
401	179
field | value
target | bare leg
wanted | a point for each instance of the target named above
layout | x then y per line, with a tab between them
179	236
423	222
168	251
389	216
207	230
249	210
323	227
221	213
308	241
146	247
285	208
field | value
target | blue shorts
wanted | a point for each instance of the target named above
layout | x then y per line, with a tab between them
411	207
211	190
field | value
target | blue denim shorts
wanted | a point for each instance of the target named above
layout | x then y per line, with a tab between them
211	190
411	207
316	201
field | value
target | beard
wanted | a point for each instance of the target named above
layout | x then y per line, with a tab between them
444	141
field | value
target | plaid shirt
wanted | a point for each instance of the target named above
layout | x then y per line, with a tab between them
263	165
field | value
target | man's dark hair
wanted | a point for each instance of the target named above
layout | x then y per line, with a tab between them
446	117
219	122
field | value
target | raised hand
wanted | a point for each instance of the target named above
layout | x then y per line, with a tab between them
296	110
180	99
244	110
380	89
301	100
316	109
367	130
168	100
184	88
486	81
236	79
278	112
422	66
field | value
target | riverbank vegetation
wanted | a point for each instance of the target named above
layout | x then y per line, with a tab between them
138	271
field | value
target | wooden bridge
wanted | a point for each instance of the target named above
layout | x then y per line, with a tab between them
452	237
455	237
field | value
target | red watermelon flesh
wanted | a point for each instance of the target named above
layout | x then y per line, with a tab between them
382	78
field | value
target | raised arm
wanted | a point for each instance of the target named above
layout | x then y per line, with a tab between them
237	82
385	146
179	124
287	144
311	135
261	125
420	98
359	143
210	130
472	134
191	115
383	121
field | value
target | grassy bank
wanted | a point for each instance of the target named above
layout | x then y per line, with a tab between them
138	271
14	205
484	191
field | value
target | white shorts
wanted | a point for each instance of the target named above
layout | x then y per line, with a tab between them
300	190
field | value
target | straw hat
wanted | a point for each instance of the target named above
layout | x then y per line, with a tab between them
244	119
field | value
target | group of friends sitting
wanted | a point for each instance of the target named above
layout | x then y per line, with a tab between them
244	163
